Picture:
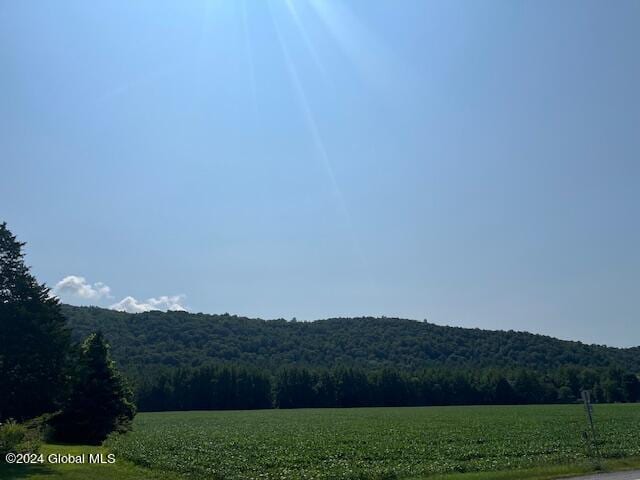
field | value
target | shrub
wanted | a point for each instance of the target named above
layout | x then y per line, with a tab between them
17	438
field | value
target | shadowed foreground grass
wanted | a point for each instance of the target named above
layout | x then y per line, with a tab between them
120	470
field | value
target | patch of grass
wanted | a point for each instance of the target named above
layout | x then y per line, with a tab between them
120	470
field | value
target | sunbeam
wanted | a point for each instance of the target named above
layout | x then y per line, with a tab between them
249	50
371	56
305	38
318	143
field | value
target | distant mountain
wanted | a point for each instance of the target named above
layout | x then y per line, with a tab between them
144	342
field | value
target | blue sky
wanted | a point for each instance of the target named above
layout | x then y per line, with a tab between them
472	163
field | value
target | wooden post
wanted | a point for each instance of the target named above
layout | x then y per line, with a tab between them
588	407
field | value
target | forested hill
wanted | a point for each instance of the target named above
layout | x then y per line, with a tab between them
145	341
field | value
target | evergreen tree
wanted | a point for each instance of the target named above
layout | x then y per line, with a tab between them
325	390
631	387
294	388
504	394
391	388
34	340
100	402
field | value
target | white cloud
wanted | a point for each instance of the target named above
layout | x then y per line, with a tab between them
163	303
74	287
78	287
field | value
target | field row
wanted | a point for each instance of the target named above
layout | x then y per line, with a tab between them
373	443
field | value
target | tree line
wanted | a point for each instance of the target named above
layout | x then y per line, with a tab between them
73	386
229	387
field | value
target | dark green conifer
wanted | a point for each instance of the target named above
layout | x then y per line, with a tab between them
100	401
34	340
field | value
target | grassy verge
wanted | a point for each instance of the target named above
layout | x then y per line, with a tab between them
120	470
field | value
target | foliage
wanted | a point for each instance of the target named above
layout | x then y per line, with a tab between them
349	362
18	438
100	401
225	387
373	443
206	388
152	341
34	340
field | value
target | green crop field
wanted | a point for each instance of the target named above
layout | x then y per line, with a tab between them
374	443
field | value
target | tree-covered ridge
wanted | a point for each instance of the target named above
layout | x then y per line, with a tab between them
156	340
